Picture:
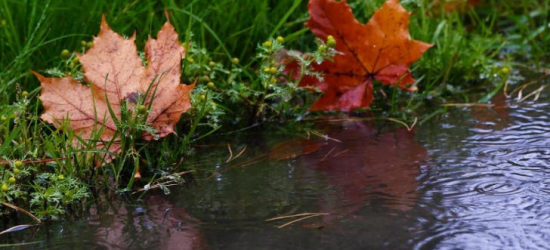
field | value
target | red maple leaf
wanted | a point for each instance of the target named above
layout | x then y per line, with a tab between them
381	49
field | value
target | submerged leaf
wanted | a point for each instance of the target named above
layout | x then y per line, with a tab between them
293	148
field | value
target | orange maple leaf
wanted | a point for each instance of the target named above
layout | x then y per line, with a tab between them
116	77
381	50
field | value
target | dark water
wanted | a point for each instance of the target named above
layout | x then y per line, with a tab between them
475	178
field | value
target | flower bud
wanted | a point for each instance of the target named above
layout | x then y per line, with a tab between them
65	54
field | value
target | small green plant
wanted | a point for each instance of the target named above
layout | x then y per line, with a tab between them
34	167
53	193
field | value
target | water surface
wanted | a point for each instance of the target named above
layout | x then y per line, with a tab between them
475	178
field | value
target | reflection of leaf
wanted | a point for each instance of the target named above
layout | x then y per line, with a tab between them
293	148
116	76
168	225
495	117
367	164
382	50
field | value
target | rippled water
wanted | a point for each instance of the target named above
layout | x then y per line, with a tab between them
476	178
487	186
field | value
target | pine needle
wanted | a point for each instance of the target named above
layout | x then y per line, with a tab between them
303	215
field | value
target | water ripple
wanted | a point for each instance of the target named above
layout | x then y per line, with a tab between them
489	182
497	188
544	186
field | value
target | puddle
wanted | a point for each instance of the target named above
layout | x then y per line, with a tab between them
478	178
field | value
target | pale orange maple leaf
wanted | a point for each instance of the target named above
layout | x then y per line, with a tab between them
116	76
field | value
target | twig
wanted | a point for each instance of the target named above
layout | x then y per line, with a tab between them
230	153
231	158
291	216
536	93
326	137
522	87
341	152
520	93
326	155
23	211
403	123
240	153
305	216
468	105
505	89
301	219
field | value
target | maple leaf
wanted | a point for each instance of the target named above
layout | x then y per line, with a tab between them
381	49
116	76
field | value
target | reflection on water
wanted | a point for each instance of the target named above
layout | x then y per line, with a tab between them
365	179
478	178
154	224
365	167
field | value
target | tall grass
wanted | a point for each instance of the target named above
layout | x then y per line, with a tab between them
35	32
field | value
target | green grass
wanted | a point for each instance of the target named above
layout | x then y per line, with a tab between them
34	35
470	50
